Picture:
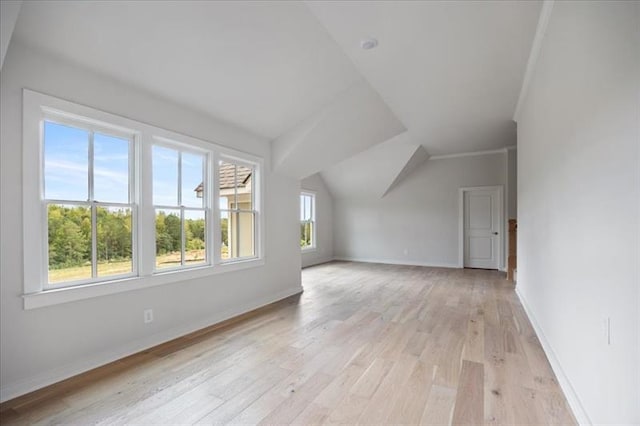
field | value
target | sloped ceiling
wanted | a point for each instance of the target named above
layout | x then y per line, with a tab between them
450	70
355	121
262	65
9	10
372	173
445	76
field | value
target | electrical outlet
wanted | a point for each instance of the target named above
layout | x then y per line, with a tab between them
148	316
406	252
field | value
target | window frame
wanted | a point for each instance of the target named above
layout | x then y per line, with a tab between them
206	204
314	245
37	293
254	175
92	127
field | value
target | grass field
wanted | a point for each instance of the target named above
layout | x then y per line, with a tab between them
122	267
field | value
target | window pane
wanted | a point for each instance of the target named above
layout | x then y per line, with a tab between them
306	207
245	234
114	241
192	180
243	183
165	176
224	203
225	225
306	234
226	180
66	162
168	238
69	242
240	235
110	169
194	236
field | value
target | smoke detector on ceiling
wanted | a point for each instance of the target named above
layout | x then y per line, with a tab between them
368	43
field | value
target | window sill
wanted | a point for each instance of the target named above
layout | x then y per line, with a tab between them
88	291
308	250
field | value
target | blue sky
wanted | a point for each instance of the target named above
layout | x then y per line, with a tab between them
66	152
66	164
165	177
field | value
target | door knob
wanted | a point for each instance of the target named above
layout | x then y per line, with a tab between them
495	233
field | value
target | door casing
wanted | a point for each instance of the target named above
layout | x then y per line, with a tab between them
461	237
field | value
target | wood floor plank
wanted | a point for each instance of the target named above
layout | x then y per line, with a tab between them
439	406
382	402
236	405
411	399
469	406
364	343
338	389
313	414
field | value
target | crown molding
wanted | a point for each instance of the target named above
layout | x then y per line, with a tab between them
536	47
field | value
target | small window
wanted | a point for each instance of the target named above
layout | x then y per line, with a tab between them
307	221
180	201
89	204
237	210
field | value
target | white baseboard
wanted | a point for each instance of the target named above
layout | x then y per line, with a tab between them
565	384
319	262
397	262
314	260
12	390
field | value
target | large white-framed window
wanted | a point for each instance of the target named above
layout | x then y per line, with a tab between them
111	204
307	220
237	209
182	207
88	201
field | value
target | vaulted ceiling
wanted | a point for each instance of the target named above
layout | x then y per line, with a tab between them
444	78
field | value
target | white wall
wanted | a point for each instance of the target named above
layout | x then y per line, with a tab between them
420	215
9	11
324	222
44	345
578	205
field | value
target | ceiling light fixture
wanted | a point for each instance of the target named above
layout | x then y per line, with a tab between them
368	43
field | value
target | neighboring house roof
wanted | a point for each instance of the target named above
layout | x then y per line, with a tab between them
226	177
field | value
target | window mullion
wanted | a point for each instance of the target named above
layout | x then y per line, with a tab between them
215	237
94	240
90	168
236	207
133	203
94	210
180	178
182	237
146	214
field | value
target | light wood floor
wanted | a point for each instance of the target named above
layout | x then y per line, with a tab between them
363	344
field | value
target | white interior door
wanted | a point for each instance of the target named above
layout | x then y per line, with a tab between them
482	219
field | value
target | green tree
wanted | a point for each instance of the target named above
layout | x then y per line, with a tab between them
224	229
172	223
69	245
